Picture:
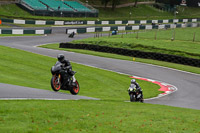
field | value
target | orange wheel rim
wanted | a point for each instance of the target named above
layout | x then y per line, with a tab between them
56	84
76	88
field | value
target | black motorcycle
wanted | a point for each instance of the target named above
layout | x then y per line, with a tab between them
135	95
71	35
62	79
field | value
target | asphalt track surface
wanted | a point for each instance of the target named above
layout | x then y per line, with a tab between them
12	92
187	96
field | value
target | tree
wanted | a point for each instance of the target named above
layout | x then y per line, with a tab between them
104	2
135	3
114	4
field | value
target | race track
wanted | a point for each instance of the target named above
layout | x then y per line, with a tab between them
18	92
187	96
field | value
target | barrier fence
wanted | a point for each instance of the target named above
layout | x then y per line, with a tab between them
182	34
116	22
135	27
24	31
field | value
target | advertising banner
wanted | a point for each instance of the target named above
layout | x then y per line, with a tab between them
73	22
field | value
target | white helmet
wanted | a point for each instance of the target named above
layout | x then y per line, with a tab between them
133	81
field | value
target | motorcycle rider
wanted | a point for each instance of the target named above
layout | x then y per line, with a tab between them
71	35
66	66
136	85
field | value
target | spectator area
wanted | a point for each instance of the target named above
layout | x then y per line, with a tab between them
35	4
72	6
77	6
57	5
62	8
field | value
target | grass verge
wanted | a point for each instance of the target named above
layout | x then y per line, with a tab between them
111	114
95	116
32	70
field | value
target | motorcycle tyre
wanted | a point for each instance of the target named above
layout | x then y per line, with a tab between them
75	90
52	84
132	99
142	100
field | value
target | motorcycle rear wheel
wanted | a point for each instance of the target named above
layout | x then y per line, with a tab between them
55	85
75	90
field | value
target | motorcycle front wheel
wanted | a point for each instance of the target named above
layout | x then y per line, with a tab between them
75	90
55	83
132	98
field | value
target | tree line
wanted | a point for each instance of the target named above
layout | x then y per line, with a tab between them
114	3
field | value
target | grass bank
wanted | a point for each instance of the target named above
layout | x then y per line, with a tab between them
95	116
110	114
142	12
32	70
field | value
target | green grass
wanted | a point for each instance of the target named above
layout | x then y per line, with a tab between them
180	34
32	70
143	12
115	56
182	46
95	116
110	114
140	13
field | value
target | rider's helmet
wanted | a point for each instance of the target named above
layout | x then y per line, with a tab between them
133	81
61	57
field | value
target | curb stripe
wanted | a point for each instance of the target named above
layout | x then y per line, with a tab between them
167	88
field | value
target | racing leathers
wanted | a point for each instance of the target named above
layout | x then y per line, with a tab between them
68	69
136	85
